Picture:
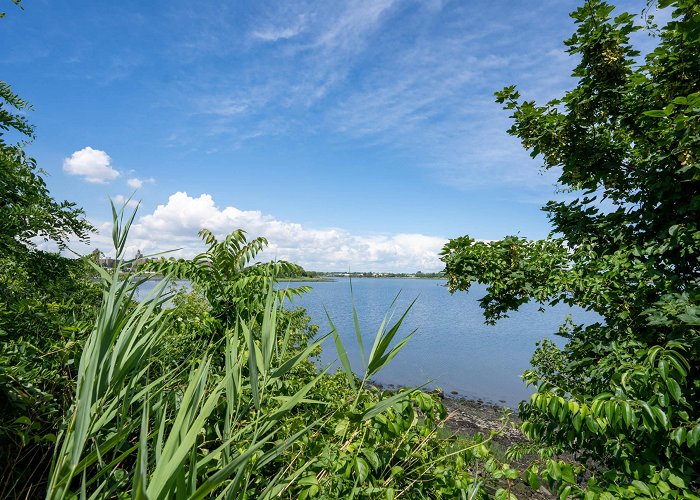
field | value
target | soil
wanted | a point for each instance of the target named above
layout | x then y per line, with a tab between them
467	417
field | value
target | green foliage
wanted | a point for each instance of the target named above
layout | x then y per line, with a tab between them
46	302
623	394
245	415
228	277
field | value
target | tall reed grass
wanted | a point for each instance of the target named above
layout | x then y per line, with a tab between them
192	432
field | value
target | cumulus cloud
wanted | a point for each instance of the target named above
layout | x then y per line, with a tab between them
93	165
136	183
175	225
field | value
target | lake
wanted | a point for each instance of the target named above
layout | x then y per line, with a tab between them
452	348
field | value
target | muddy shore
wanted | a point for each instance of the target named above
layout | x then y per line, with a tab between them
467	417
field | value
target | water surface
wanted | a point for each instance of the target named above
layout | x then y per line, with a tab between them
452	347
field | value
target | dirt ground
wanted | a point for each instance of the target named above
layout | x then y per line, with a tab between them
467	417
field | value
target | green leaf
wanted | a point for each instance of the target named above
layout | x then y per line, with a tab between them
342	353
674	389
648	415
567	473
628	414
676	481
358	332
591	424
361	469
660	416
384	404
532	479
693	436
308	480
371	457
679	435
577	421
641	487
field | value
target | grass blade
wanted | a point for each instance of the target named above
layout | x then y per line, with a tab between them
342	354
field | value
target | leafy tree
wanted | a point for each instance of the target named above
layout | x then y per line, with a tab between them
27	210
228	276
44	301
624	394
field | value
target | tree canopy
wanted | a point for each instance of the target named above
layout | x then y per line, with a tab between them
27	210
623	392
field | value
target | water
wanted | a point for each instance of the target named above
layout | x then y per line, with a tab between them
452	347
147	287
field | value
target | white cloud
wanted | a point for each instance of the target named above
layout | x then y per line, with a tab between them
349	73
120	199
176	223
93	165
275	34
136	183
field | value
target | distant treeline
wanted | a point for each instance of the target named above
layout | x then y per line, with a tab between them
370	274
302	273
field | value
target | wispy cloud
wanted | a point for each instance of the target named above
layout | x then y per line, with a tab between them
414	77
275	34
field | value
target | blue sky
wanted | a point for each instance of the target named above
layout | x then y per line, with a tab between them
353	134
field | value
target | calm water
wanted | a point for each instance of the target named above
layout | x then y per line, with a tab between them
452	346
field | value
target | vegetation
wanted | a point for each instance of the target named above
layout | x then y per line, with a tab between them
104	396
46	302
218	395
623	396
107	397
226	276
206	407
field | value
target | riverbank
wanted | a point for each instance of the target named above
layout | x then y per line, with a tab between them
466	417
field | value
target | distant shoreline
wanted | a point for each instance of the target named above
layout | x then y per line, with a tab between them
336	277
294	280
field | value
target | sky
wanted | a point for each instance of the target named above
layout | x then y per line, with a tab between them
354	135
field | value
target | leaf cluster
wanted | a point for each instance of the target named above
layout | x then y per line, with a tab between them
245	415
622	396
228	276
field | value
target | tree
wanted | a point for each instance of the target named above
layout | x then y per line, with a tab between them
234	285
624	394
27	210
45	300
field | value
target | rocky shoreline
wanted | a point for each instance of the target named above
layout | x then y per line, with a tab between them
467	417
